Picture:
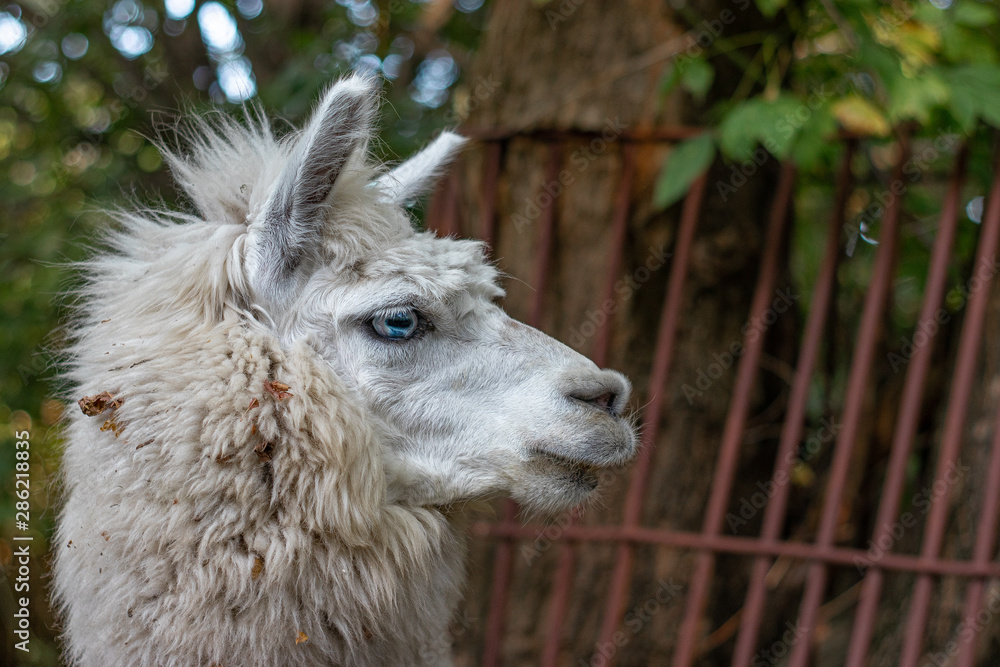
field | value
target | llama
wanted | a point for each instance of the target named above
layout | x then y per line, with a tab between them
288	396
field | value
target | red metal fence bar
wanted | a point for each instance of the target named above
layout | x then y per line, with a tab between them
619	230
961	390
986	536
791	432
503	561
752	546
857	385
665	343
546	237
505	550
491	175
448	215
732	435
566	563
909	416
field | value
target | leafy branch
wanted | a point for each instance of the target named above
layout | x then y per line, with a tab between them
859	66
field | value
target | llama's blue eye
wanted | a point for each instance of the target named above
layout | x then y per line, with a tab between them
397	325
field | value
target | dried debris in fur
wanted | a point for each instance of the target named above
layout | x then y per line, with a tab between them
100	403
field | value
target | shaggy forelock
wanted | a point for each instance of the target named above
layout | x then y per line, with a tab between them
440	268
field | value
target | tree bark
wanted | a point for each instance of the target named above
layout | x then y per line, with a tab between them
595	66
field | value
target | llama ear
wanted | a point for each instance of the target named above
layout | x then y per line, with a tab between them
415	177
289	226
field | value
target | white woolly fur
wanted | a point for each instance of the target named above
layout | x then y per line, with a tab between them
212	518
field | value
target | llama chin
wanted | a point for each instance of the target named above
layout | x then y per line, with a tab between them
284	396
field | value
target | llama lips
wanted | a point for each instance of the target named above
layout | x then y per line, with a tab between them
579	473
595	442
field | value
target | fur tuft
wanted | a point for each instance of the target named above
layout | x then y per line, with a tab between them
205	521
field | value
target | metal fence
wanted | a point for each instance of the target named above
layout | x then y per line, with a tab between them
823	552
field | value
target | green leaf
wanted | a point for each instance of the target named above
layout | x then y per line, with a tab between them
916	97
975	93
974	14
883	63
963	106
685	163
861	117
737	137
814	138
670	79
697	78
977	75
770	7
961	44
692	74
773	123
782	118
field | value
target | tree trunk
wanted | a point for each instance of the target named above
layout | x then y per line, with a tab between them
595	67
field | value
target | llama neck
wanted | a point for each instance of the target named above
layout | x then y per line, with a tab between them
226	514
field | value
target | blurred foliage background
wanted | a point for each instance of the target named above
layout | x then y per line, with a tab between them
84	87
85	84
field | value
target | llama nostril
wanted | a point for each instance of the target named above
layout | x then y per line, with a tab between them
605	401
605	390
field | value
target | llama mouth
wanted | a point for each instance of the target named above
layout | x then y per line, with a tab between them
574	471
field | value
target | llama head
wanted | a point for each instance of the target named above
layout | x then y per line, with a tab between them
468	402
